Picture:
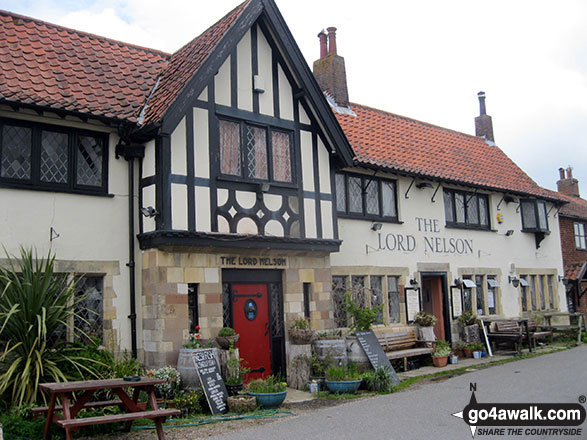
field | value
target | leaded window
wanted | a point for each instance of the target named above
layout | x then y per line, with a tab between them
276	301
88	322
550	291
524	292
41	156
492	287
533	291
541	292
467	298
358	290
338	291
226	305
479	291
376	287
534	216
393	299
466	209
194	315
255	152
359	196
580	237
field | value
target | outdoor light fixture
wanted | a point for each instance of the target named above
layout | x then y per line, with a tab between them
458	282
515	281
424	185
149	212
509	233
563	279
414	283
376	226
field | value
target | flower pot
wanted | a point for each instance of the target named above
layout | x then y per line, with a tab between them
460	352
241	404
224	341
427	334
233	389
483	354
468	353
477	355
300	336
269	400
313	386
440	361
356	353
454	359
343	386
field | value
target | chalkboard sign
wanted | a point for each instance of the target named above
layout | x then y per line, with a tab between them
375	353
211	380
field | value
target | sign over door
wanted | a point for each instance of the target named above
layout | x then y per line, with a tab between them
250	317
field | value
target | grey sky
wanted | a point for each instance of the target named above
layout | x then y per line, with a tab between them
425	59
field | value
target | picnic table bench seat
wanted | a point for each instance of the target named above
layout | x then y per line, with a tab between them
112	418
403	345
507	331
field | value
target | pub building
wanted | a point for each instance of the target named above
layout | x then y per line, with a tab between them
227	185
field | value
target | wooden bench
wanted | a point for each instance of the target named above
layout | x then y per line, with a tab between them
402	345
537	332
506	331
90	405
158	414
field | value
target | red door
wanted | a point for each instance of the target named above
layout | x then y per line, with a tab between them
250	317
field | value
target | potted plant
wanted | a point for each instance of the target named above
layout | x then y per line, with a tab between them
469	327
269	392
468	349
341	379
235	373
425	322
226	336
172	378
477	350
363	319
317	366
185	360
459	349
241	403
300	331
440	355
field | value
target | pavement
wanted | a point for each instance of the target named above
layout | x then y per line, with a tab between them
425	410
297	396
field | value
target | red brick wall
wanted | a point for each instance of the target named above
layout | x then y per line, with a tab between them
570	252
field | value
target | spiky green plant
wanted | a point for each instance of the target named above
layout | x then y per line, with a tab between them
36	304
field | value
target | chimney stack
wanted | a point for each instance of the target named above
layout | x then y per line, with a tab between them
483	123
568	185
329	70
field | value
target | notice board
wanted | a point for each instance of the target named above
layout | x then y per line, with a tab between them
375	353
211	380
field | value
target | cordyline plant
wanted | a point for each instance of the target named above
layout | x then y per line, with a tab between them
36	305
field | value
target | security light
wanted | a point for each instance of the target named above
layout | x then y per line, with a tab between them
515	281
509	233
149	212
376	226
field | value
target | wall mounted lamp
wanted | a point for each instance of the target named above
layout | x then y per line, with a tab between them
514	281
149	212
424	185
509	233
564	280
458	282
376	226
414	283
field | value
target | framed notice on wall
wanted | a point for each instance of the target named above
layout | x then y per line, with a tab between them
412	303
457	301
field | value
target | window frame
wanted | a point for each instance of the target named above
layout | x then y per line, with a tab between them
467	196
482	289
364	214
73	134
580	236
536	203
269	129
533	301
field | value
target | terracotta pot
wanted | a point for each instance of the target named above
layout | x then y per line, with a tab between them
468	353
440	361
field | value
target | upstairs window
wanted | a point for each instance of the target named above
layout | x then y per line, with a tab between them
580	240
360	196
254	152
466	209
534	217
59	158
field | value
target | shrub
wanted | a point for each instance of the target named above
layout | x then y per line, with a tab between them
226	332
341	373
172	380
363	318
378	380
188	401
300	324
442	349
424	319
270	384
36	306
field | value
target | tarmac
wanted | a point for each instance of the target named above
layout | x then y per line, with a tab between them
298	396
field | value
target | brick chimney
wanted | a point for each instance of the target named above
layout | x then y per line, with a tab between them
329	70
483	124
568	185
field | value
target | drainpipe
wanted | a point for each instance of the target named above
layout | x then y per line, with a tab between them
130	152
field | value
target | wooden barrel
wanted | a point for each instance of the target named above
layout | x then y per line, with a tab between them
187	368
356	353
333	348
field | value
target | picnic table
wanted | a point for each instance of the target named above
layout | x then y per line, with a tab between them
85	390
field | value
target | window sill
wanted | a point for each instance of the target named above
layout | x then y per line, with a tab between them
469	227
369	218
55	190
533	231
257	183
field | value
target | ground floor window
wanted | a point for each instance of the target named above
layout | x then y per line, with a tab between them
88	322
483	298
381	291
194	315
537	292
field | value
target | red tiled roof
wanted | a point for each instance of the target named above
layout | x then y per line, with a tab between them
575	271
409	146
184	64
576	206
48	65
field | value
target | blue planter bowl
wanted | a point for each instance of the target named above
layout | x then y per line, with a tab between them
344	386
269	400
